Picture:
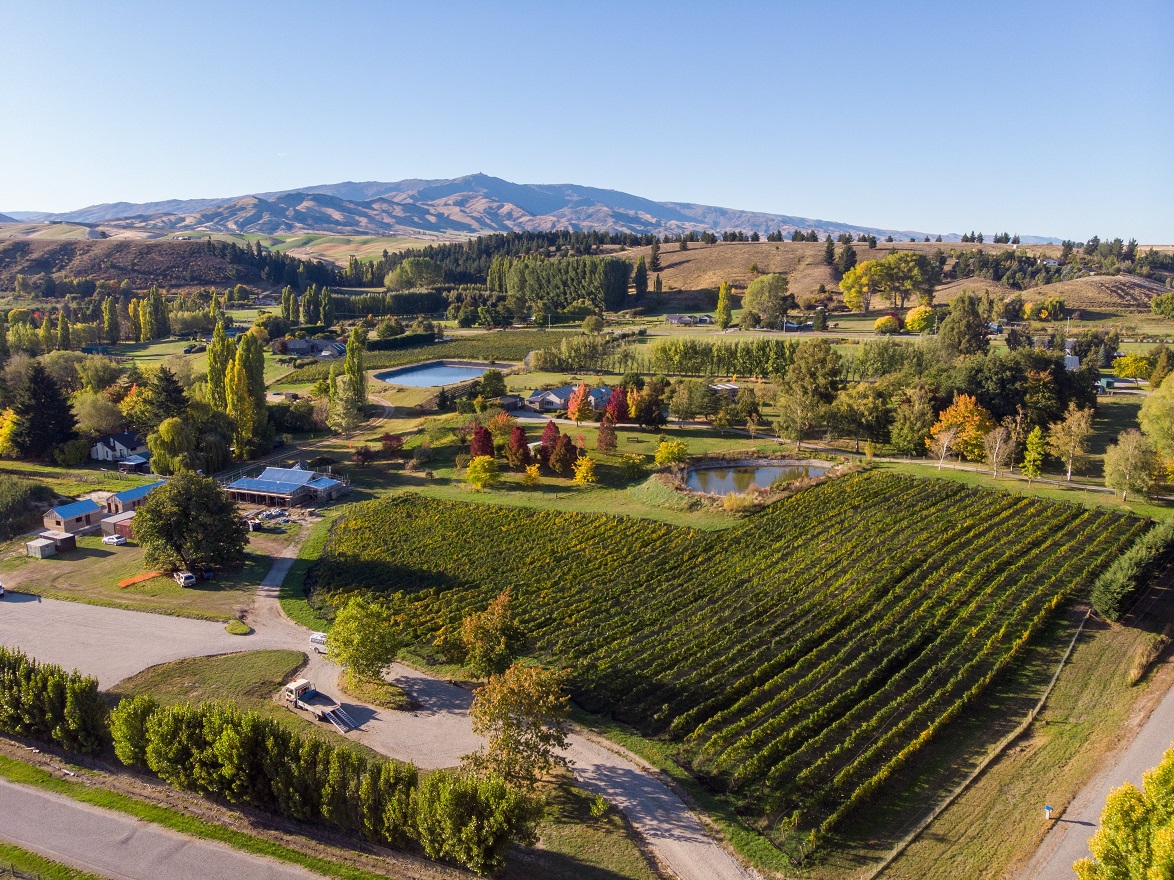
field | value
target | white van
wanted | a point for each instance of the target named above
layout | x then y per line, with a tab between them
185	578
318	642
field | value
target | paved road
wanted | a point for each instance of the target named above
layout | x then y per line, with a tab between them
1068	839
121	847
113	644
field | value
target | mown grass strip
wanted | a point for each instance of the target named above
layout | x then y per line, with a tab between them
26	774
292	594
25	862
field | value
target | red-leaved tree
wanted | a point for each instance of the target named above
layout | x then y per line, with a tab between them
550	435
517	450
564	456
617	406
482	442
606	441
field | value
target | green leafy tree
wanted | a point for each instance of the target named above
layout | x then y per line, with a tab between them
913	421
1135	840
769	298
1033	454
414	273
64	341
490	640
363	640
522	713
725	312
1068	438
221	352
1130	464
190	521
128	728
111	325
173	447
963	331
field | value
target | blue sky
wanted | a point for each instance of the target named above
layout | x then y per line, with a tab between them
1040	118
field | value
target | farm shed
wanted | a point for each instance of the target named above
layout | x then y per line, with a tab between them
41	548
80	516
62	541
119	524
280	487
129	499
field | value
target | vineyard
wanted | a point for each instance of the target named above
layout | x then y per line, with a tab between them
504	346
797	660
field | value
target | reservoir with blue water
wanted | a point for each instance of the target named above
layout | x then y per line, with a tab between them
433	374
739	477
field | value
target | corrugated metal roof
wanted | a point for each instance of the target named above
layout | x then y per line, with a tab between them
77	508
137	492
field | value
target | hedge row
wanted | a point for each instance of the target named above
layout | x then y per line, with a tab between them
1120	581
404	340
43	701
218	749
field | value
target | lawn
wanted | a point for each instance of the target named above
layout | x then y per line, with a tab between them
13	858
93	571
73	481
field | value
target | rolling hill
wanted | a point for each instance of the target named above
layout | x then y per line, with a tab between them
472	205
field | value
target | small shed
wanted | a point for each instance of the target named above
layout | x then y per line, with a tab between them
78	516
41	548
63	541
119	524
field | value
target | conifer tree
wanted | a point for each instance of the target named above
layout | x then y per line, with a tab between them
656	285
654	255
640	278
829	251
606	441
42	417
847	259
517	450
326	306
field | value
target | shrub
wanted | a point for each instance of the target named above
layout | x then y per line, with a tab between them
671	452
1117	583
920	319
481	472
128	728
887	325
43	701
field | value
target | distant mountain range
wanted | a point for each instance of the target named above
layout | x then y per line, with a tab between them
472	205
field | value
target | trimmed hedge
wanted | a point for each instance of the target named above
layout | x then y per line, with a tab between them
217	749
1117	583
43	701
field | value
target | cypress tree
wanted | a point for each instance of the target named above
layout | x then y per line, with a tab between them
63	343
640	278
654	255
847	259
42	416
326	306
656	285
829	251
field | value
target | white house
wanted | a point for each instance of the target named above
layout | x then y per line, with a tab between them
118	447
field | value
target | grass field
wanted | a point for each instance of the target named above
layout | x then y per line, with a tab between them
809	683
93	571
13	858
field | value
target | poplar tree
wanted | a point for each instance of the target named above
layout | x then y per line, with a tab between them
725	312
355	367
221	352
326	306
134	320
45	336
240	408
63	343
111	327
146	321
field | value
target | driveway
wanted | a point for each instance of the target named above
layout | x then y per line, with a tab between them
122	847
1068	840
114	644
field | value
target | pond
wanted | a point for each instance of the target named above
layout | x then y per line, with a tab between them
738	478
431	374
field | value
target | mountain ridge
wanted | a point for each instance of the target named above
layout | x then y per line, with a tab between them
475	204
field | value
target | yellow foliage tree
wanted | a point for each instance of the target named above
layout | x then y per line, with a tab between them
482	472
920	319
861	283
7	428
579	406
972	424
585	471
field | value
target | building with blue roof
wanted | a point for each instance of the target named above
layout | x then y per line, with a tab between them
75	517
286	487
129	499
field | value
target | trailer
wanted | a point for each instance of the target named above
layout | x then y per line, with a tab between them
301	694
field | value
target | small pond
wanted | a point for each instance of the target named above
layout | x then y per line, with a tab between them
738	478
431	374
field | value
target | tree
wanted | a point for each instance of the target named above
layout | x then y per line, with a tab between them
481	443
606	439
492	384
221	352
724	312
491	639
860	284
173	447
579	406
657	287
1033	455
63	334
617	405
847	259
414	273
96	414
482	472
768	297
941	444
1133	366
162	398
972	423
111	326
1068	438
41	415
1157	419
1135	840
517	449
1130	464
997	444
190	521
963	331
354	367
563	456
829	251
654	255
860	412
585	471
640	278
522	713
919	319
363	640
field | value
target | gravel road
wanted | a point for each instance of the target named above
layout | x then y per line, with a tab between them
114	644
1068	839
122	847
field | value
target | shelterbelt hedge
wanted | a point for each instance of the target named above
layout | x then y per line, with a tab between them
797	660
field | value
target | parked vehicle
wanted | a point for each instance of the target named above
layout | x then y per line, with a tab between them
1	591
318	642
115	540
185	578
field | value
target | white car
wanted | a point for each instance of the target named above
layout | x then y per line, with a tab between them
115	540
185	578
